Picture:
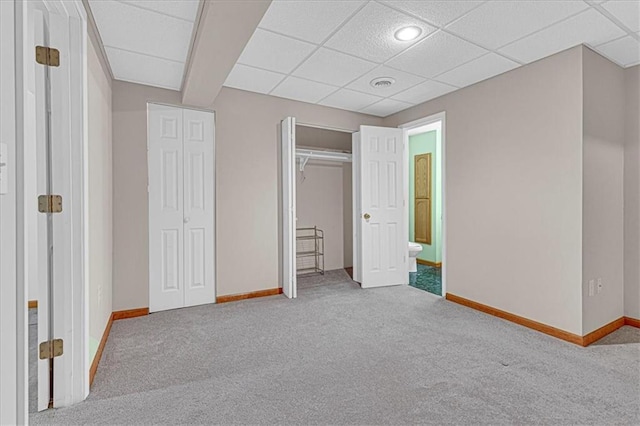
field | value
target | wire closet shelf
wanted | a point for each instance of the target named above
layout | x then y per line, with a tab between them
309	251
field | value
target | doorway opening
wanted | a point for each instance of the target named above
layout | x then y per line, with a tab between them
324	206
379	224
425	194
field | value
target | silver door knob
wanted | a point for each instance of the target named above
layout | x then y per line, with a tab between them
187	219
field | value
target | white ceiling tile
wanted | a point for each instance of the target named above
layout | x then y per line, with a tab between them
437	12
402	82
624	51
589	27
477	70
138	30
331	67
370	33
628	12
183	9
253	79
303	90
385	107
274	52
436	54
312	21
424	92
348	99
142	69
497	23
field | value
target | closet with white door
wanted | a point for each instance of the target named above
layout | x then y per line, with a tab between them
181	207
324	225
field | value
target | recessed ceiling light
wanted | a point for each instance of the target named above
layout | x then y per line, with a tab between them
408	33
382	82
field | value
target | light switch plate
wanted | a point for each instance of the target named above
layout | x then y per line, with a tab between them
4	184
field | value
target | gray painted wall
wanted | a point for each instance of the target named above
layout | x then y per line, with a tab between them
100	202
602	214
632	194
513	182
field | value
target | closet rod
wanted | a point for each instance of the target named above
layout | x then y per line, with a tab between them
307	154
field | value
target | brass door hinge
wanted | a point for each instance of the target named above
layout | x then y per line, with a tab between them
48	56
50	203
51	349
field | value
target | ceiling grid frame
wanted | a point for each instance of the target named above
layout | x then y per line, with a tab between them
613	35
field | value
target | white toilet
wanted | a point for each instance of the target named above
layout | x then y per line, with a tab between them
414	250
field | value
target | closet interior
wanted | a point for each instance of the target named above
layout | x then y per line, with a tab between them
324	227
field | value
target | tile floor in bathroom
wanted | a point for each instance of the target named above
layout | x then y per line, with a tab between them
427	278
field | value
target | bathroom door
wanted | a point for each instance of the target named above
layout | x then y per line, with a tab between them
289	281
381	234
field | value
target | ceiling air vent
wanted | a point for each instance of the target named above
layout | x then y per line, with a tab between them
382	82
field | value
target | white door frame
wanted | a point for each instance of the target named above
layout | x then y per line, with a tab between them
70	300
408	127
13	295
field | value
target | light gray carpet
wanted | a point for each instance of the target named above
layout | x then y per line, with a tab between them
342	355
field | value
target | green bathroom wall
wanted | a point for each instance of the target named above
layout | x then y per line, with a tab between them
424	143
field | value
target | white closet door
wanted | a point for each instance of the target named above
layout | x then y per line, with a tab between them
288	135
383	238
166	290
199	207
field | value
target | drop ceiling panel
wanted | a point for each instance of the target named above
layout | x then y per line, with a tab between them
402	79
385	107
589	27
311	21
439	13
253	79
331	67
497	23
328	52
424	92
369	34
274	52
436	54
477	70
138	30
624	51
350	100
182	9
137	68
303	90
628	12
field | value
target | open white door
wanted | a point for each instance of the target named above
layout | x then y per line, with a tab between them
289	283
381	234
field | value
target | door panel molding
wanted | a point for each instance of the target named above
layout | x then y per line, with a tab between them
382	244
182	206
